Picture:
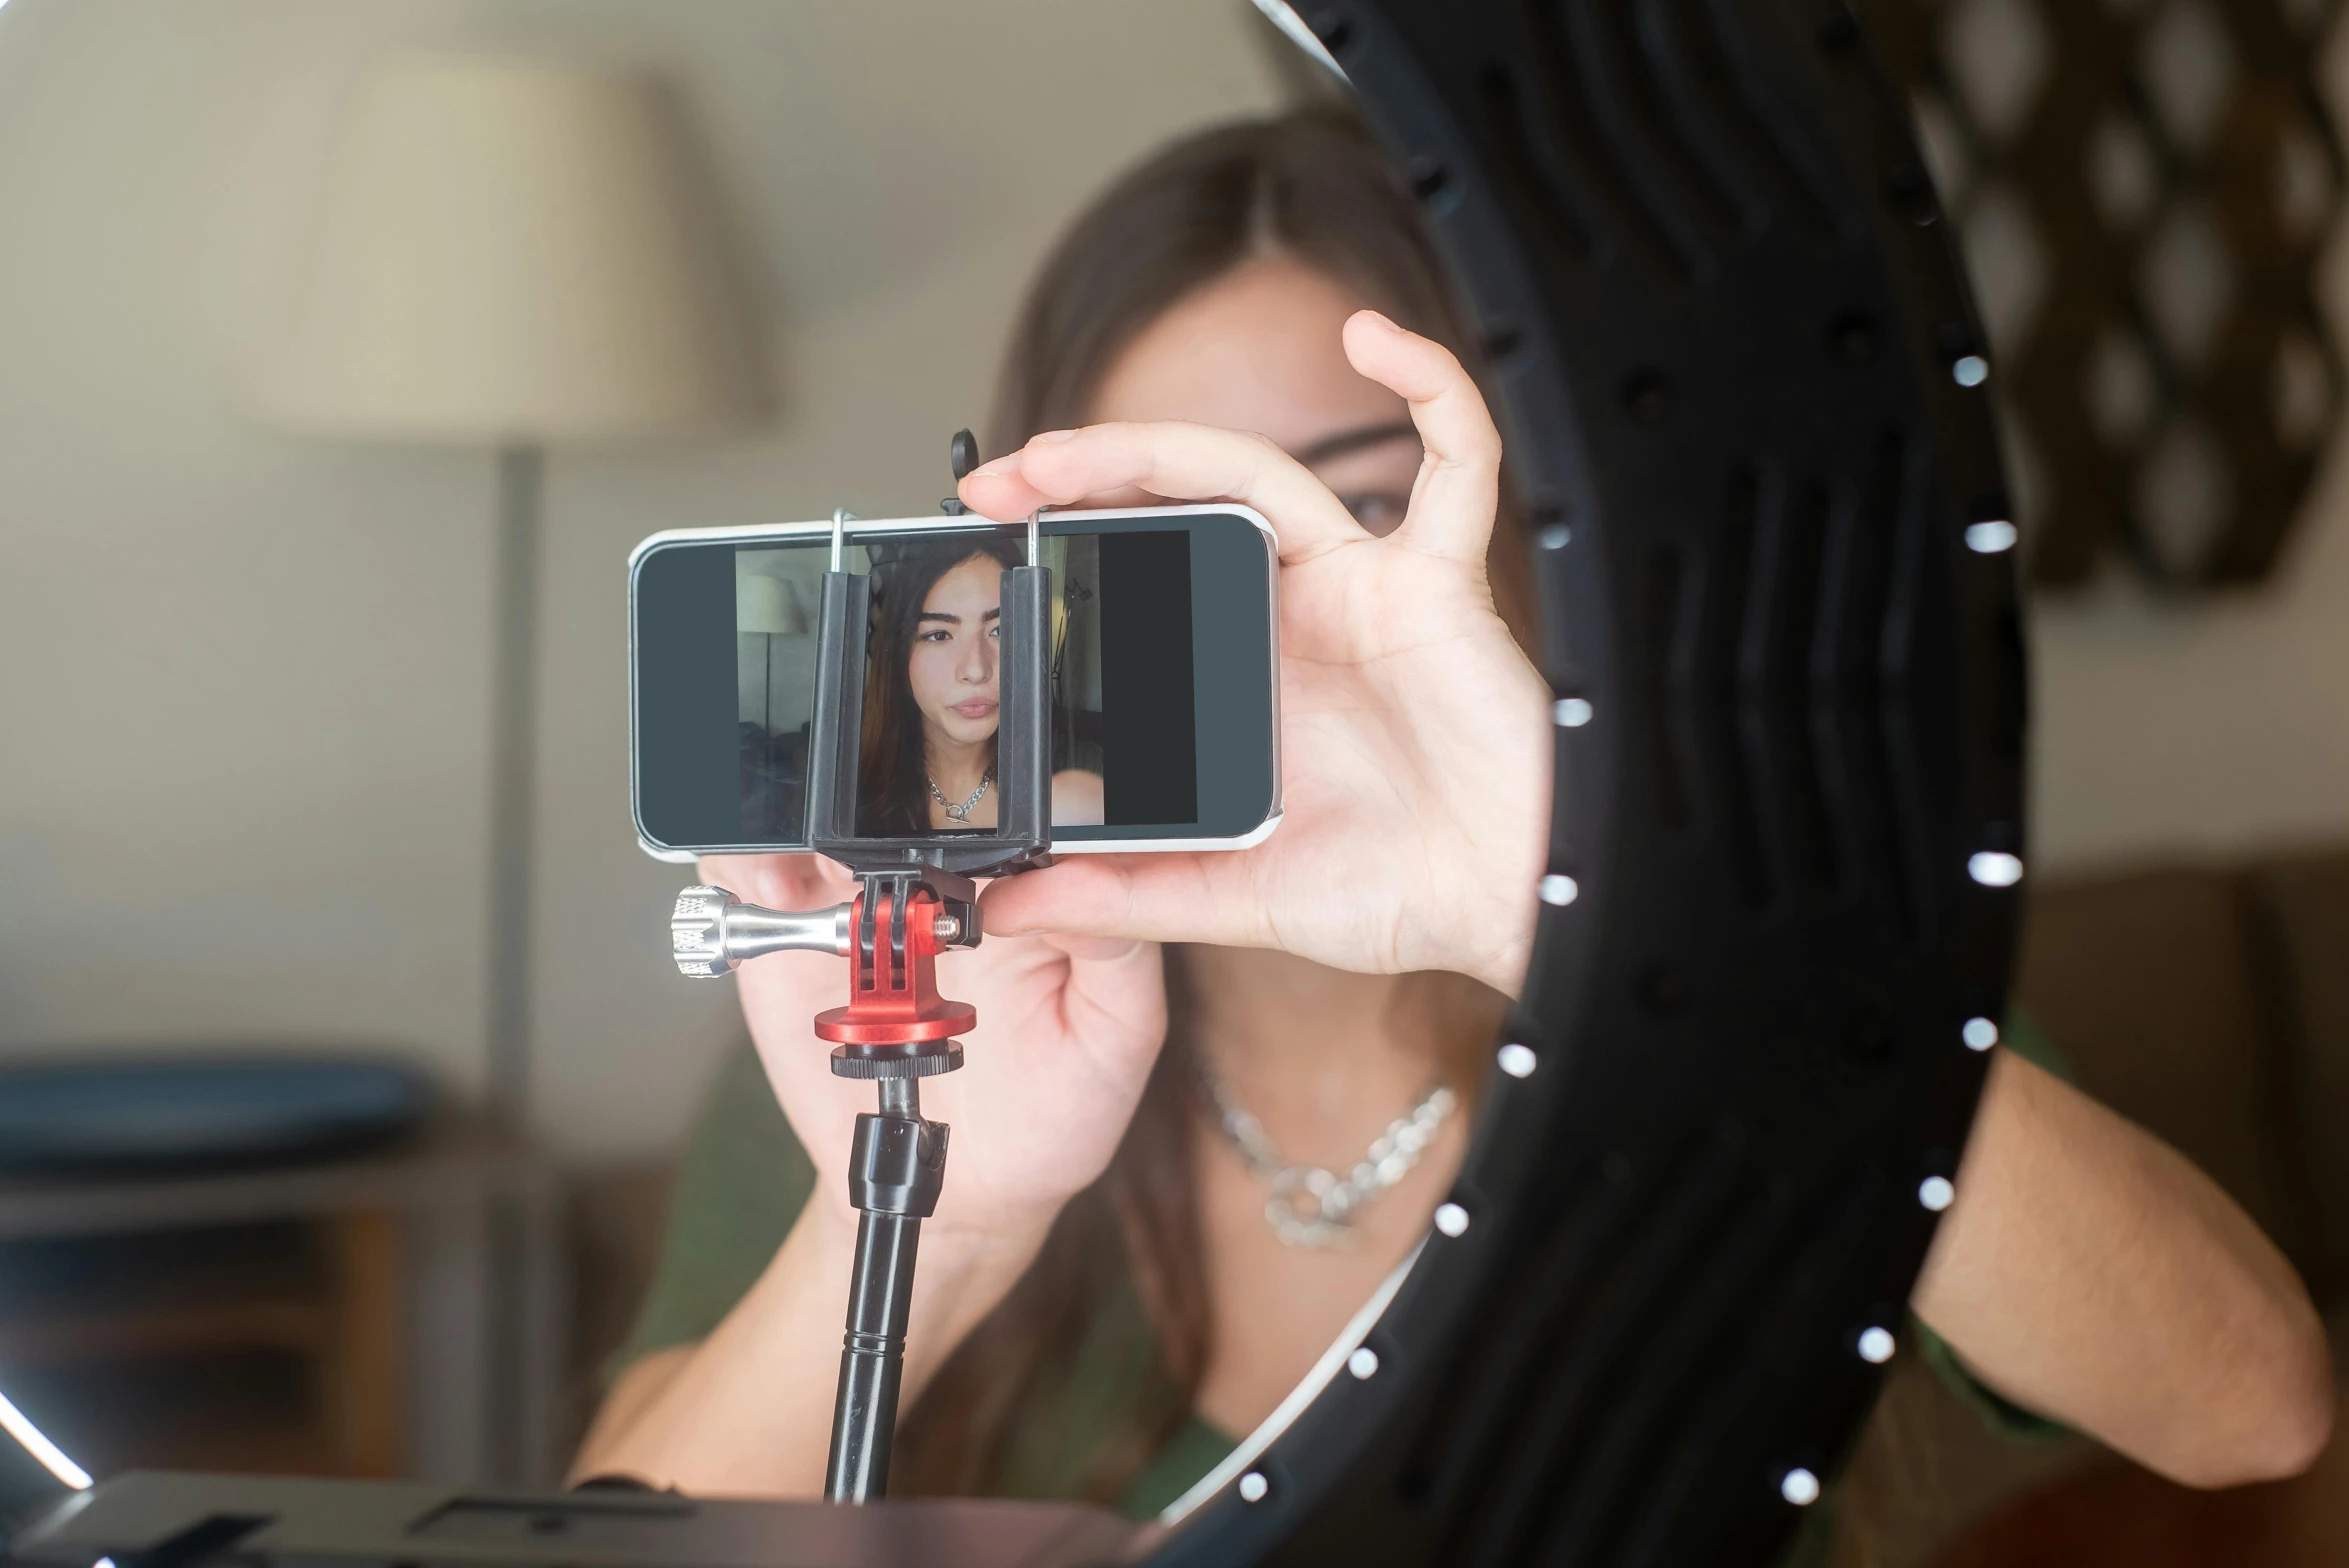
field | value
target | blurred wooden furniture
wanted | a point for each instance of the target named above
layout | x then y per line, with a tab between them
397	1313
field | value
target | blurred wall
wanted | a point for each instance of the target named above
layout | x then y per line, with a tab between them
242	716
243	721
2204	724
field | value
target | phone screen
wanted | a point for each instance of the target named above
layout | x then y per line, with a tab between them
1161	680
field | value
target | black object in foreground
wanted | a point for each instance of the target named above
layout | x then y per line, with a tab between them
181	1520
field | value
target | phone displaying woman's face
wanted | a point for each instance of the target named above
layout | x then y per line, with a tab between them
952	666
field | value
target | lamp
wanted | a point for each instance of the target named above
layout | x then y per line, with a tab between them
512	254
767	608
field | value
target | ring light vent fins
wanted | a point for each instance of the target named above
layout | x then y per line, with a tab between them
1779	639
1723	356
1644	122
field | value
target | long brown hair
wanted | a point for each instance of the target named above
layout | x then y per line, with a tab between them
1312	187
892	776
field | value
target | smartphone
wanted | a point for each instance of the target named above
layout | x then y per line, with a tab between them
1164	710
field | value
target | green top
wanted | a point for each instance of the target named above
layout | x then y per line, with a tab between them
745	1178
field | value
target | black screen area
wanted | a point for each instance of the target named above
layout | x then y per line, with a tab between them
1149	732
687	793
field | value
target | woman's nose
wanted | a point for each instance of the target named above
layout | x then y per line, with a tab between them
977	665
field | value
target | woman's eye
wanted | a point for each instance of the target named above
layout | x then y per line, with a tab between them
1380	512
935	634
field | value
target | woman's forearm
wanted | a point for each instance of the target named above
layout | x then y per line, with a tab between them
2089	1272
748	1411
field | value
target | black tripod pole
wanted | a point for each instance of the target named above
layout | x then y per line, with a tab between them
895	1169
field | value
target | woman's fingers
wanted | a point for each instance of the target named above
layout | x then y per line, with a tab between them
1452	502
1459	483
1119	898
1180	461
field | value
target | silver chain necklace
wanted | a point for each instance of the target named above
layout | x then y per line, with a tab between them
954	813
1314	1207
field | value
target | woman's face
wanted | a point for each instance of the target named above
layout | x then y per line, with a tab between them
952	667
1258	349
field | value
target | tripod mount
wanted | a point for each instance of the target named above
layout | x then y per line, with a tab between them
896	1030
916	899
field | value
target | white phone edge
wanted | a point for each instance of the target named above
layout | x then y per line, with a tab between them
943	524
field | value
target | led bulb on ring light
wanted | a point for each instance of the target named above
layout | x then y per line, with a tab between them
1995	868
1989	538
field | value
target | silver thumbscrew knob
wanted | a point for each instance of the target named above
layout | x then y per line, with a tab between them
711	931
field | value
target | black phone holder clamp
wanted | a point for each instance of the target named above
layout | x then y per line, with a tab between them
916	900
1022	836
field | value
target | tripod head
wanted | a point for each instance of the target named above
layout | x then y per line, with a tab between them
896	1030
916	900
712	933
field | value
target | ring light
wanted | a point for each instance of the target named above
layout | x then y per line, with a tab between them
1743	392
1741	386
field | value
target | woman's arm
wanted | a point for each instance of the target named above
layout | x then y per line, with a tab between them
748	1411
2089	1272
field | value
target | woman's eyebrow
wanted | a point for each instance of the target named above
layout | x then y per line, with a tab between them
1355	440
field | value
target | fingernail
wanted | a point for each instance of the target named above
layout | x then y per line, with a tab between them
1381	318
1053	435
1002	465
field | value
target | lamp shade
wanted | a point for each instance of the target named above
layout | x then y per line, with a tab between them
767	605
514	251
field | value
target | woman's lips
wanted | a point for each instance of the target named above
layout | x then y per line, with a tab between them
976	708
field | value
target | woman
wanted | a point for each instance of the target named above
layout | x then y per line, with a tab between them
1108	1293
932	704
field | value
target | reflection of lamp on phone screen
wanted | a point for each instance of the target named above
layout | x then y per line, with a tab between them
765	608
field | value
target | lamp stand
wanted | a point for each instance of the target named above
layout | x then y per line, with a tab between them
513	772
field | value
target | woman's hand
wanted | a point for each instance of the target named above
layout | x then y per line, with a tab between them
1414	734
1068	1029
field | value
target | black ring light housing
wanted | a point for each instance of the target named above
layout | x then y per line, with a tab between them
1742	388
1741	384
